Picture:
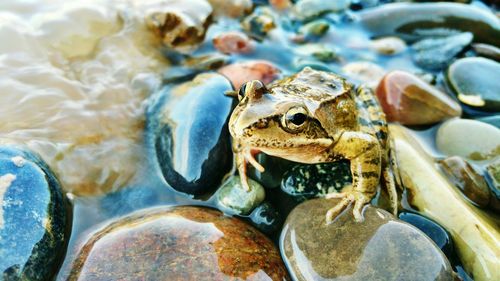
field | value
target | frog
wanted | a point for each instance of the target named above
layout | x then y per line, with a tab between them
312	117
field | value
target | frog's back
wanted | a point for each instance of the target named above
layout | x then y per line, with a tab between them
371	118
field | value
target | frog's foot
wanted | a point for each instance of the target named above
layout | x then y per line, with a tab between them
347	197
243	158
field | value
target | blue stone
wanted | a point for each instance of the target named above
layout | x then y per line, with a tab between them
187	132
34	217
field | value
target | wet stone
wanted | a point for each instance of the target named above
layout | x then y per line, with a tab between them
180	243
318	51
314	29
433	230
232	198
474	81
415	21
493	174
308	181
487	51
388	45
306	9
365	72
266	218
260	22
492	120
180	26
407	99
193	149
467	179
437	53
35	217
241	72
233	42
379	248
469	139
233	8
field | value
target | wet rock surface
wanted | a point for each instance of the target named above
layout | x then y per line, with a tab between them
240	73
380	248
468	138
433	230
413	21
437	53
467	179
235	200
35	217
474	82
181	243
407	99
179	25
193	150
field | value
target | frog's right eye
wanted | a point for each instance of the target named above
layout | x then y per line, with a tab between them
241	93
295	119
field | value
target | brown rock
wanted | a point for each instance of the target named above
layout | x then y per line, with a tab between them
465	178
240	73
181	243
233	42
407	99
379	248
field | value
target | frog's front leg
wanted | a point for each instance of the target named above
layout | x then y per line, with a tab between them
244	155
364	153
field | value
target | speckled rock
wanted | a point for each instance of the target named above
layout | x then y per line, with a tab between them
305	181
437	53
242	72
193	149
179	24
407	99
474	81
468	138
35	217
379	248
467	179
232	198
181	243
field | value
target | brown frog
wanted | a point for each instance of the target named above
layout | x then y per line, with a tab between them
316	117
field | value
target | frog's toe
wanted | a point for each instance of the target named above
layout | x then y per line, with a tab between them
359	199
335	211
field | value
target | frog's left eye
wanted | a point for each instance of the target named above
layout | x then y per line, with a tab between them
294	119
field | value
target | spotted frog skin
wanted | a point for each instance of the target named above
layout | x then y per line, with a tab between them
315	117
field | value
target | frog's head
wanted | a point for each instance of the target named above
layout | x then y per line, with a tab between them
283	120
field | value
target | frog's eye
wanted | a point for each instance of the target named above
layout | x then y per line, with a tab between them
294	119
241	93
